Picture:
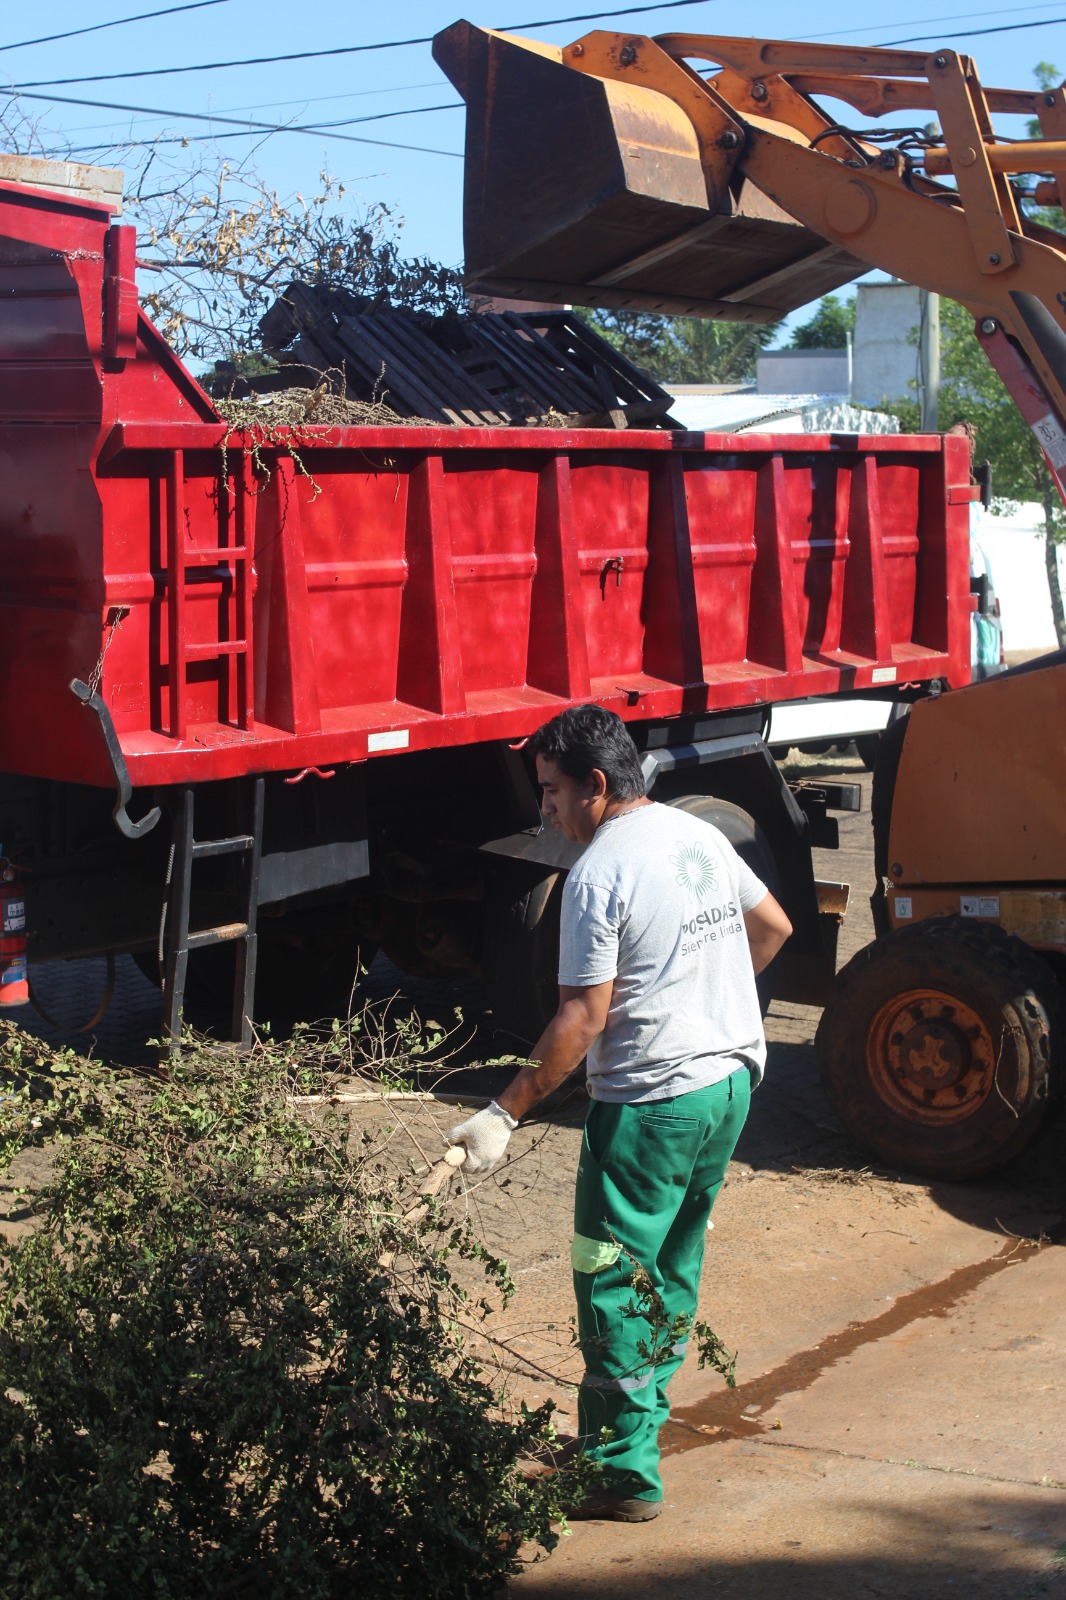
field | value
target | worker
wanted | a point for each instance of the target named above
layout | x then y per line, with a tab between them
663	930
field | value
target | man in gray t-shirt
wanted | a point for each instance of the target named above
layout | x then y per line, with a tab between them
656	907
663	931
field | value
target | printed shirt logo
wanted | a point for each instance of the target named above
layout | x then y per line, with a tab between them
695	869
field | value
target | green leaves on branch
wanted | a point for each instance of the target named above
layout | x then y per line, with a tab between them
972	391
209	1384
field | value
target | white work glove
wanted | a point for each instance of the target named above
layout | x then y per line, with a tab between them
485	1136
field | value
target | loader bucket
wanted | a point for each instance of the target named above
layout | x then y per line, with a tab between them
583	189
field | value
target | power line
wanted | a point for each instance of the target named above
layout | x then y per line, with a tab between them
254	130
270	105
974	33
873	27
119	22
337	50
382	116
236	122
329	130
405	88
306	100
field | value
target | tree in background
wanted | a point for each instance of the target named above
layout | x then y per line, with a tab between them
971	390
684	349
829	327
217	245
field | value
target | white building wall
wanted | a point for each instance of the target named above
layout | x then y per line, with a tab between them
803	372
885	362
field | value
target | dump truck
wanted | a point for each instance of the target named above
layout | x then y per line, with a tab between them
702	175
266	692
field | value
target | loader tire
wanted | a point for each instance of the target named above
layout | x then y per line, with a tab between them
886	772
941	1048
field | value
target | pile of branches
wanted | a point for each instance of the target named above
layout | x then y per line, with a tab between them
230	1359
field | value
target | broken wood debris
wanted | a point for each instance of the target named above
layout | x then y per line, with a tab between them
486	369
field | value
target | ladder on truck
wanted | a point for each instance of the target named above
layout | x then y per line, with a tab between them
229	563
180	938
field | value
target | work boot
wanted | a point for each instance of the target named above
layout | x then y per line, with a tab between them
614	1505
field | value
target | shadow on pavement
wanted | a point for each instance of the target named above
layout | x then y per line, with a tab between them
981	1545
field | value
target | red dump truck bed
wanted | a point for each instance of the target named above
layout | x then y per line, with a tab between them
405	588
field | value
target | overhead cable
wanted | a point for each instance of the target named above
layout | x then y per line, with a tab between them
329	130
255	129
303	100
236	122
98	27
337	50
954	16
973	33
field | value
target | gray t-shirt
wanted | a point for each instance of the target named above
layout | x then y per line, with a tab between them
656	903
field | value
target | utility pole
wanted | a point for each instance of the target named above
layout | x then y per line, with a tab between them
929	360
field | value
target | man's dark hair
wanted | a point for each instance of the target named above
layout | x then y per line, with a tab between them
587	737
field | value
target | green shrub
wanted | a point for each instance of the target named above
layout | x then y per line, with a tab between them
209	1383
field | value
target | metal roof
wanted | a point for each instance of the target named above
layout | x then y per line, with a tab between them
750	411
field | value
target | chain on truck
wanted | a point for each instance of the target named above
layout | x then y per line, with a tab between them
308	708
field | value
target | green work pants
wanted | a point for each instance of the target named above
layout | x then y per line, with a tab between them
648	1177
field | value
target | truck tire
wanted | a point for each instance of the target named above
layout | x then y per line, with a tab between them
521	947
867	748
753	848
940	1049
522	923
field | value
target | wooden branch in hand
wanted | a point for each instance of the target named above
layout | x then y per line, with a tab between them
436	1179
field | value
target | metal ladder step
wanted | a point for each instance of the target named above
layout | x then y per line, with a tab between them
215	648
181	939
222	847
219	557
225	933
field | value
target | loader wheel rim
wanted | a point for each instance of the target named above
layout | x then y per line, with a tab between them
931	1057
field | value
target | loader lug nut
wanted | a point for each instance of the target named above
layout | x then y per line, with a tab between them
759	91
897	870
730	139
627	55
994	259
577	49
940	61
988	325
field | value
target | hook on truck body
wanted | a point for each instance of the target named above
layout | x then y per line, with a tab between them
123	822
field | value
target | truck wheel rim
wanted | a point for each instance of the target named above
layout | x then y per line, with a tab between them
930	1057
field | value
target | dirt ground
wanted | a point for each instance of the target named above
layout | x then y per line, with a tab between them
899	1424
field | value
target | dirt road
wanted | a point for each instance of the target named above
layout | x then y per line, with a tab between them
899	1426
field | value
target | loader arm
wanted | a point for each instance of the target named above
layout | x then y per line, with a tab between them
612	172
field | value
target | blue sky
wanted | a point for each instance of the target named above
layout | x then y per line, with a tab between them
424	187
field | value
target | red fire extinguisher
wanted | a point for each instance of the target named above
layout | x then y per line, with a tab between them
14	984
